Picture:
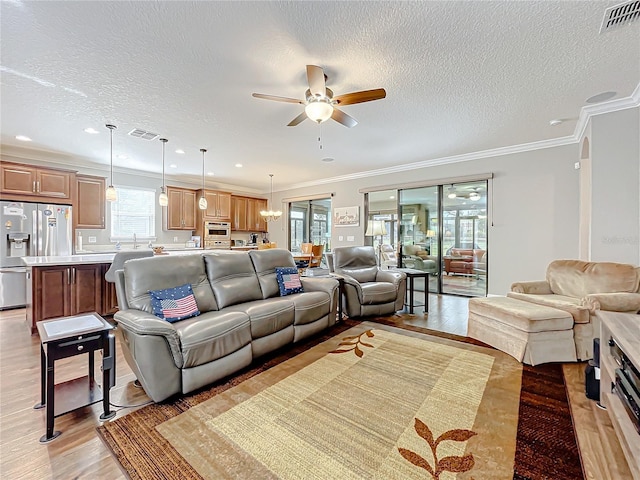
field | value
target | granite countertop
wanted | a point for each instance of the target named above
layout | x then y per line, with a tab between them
90	258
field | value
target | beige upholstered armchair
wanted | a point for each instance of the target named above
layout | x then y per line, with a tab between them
582	288
368	290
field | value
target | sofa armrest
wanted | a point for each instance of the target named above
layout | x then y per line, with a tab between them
613	302
391	276
143	323
538	287
317	284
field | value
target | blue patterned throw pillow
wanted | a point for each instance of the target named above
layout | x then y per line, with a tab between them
288	280
174	304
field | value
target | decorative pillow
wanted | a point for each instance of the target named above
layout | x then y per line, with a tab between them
175	303
288	280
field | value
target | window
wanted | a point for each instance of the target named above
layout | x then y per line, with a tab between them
134	213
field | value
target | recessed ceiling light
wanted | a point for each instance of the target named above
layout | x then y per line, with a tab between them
173	165
555	122
601	97
23	138
210	174
328	159
92	131
122	156
238	165
180	151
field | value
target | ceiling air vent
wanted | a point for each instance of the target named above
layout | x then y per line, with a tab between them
620	15
143	134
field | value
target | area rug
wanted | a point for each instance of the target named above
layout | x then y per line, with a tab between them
385	404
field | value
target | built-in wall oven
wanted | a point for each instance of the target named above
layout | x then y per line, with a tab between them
217	235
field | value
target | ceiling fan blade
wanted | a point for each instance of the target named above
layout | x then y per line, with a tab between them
343	118
277	99
298	120
359	97
315	76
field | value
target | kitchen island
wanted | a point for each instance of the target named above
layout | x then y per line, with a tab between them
61	286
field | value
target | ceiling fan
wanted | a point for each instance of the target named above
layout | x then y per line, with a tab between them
320	104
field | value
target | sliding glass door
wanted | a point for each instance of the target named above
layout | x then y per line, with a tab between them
464	239
310	222
443	230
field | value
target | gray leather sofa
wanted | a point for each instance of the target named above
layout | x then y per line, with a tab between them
367	289
242	316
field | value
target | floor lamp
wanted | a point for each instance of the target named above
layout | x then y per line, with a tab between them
376	228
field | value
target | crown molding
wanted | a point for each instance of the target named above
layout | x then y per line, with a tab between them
586	113
88	166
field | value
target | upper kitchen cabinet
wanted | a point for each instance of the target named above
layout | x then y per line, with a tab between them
181	210
255	222
218	205
90	204
28	182
239	213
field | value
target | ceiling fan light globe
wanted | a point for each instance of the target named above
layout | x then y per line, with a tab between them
474	196
452	195
319	110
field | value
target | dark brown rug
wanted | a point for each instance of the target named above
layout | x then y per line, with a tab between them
545	446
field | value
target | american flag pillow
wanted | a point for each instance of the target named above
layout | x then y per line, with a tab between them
288	280
174	304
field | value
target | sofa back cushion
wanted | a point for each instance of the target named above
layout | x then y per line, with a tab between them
577	278
265	263
162	272
233	279
358	262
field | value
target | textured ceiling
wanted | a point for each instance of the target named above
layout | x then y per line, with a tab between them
460	77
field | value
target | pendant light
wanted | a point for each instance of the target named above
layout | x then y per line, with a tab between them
270	215
110	193
163	200
202	203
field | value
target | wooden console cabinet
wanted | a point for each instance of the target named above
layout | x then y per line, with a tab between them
624	329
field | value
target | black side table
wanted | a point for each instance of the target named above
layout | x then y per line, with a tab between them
66	337
412	274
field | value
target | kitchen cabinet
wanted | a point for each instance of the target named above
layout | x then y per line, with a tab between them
29	182
218	206
109	297
246	214
181	209
90	202
255	222
63	290
239	213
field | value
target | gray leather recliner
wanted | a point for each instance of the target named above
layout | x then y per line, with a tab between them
367	289
242	316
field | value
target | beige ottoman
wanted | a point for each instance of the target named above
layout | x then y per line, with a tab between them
530	333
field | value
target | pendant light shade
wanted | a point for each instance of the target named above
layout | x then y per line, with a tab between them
163	200
110	193
202	203
270	215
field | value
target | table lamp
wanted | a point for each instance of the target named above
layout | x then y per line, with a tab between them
376	228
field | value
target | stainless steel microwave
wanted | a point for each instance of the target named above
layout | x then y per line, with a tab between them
217	231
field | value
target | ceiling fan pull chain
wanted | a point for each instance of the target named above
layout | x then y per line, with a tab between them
320	137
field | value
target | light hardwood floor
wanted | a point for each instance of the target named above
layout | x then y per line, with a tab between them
79	453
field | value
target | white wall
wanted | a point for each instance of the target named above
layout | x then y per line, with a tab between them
615	159
535	209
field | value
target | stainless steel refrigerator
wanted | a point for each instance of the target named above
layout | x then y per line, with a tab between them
29	230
